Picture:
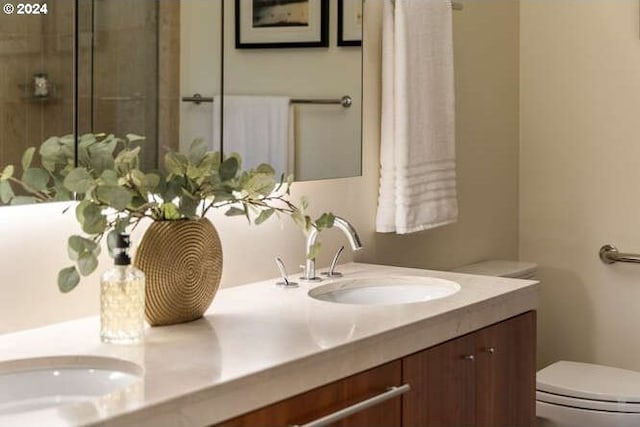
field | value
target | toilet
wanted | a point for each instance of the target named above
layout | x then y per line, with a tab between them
574	394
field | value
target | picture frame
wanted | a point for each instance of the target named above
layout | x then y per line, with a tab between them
271	24
350	18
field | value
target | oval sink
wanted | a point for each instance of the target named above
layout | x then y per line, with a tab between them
384	290
40	383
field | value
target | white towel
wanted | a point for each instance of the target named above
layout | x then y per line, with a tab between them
259	128
417	153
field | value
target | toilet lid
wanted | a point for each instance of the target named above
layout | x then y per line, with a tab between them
588	381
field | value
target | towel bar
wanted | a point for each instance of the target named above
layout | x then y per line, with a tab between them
609	254
345	101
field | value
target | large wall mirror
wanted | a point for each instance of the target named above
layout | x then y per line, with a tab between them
121	66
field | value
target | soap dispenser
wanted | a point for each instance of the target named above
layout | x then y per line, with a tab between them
122	298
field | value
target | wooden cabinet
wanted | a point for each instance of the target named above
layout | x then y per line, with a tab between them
486	378
328	399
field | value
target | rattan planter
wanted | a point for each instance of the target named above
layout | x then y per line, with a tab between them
182	262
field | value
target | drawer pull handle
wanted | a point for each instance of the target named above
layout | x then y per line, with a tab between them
469	357
490	350
390	393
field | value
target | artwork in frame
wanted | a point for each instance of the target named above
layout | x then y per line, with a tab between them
349	22
268	24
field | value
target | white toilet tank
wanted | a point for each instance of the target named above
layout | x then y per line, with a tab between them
501	268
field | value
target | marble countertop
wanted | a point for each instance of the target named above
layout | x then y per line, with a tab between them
272	341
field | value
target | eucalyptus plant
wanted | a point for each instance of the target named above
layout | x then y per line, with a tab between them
115	194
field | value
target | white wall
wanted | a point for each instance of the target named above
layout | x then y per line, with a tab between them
32	244
580	98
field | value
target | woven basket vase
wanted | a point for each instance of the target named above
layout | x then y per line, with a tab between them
182	263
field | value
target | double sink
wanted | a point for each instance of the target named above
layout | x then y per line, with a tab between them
47	383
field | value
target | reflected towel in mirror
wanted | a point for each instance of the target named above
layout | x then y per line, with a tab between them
259	128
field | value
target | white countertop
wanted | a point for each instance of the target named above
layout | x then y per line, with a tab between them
272	341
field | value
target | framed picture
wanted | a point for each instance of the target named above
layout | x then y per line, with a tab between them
268	24
349	22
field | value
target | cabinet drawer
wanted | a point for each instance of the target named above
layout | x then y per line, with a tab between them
328	399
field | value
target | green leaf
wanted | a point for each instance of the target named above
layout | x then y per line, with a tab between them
314	250
87	263
132	137
264	215
175	163
298	218
6	192
7	173
197	151
127	160
266	168
23	200
151	182
51	147
101	155
233	211
92	219
137	177
109	177
261	184
78	181
36	178
304	203
228	169
188	206
115	196
68	278
77	245
27	157
61	193
169	211
325	221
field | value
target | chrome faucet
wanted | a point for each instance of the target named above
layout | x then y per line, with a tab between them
347	229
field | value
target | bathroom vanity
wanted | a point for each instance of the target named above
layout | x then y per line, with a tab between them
268	355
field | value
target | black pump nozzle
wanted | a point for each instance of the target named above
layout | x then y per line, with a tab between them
121	253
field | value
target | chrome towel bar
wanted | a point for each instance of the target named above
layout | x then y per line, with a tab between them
609	254
345	101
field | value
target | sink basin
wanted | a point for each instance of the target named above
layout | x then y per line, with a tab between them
384	290
41	383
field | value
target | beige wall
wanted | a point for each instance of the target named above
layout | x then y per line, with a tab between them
580	98
486	41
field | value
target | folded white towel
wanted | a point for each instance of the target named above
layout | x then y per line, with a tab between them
417	155
259	128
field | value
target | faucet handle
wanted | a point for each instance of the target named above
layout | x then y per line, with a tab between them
332	267
283	273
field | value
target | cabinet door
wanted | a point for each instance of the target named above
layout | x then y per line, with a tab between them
442	385
505	376
327	399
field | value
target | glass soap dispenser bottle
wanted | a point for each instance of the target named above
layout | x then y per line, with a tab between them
122	298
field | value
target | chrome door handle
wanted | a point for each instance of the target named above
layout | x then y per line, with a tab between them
390	393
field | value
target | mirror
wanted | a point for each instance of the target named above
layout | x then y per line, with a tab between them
37	85
137	61
291	61
128	70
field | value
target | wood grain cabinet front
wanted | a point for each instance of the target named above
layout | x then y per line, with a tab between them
371	387
484	379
